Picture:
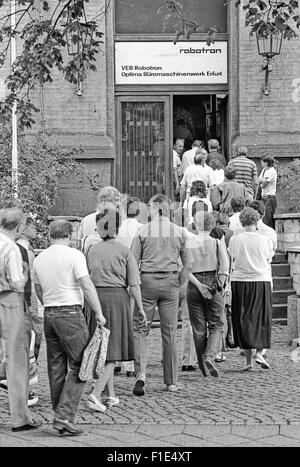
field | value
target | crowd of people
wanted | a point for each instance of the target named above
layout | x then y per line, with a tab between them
204	258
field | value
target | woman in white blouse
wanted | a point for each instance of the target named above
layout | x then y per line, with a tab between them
251	254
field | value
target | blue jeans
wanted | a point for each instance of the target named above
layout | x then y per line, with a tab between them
67	336
206	317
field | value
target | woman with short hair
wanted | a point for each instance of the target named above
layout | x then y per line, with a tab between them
251	254
198	192
113	268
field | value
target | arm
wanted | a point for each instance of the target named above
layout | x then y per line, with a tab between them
135	291
176	180
91	297
182	193
203	289
223	262
39	292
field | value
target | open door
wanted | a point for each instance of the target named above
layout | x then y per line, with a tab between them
143	166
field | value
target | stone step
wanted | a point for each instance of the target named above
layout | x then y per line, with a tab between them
280	269
280	296
280	257
282	283
279	311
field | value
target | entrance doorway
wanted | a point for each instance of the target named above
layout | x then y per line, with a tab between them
201	117
146	128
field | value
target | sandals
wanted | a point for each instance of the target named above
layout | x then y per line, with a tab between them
220	357
248	368
111	401
94	404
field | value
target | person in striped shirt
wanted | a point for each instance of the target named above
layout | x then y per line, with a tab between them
245	171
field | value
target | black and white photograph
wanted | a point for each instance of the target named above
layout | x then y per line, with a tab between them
149	226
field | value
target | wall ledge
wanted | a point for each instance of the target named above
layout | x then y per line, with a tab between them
289	215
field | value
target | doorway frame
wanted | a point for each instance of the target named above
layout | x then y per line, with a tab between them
159	94
142	98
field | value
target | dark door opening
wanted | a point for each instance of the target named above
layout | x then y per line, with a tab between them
201	117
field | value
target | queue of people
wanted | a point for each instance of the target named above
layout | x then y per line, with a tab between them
197	262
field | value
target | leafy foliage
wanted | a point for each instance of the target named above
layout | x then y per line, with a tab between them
48	31
288	183
272	16
42	165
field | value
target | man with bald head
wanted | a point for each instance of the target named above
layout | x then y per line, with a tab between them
15	327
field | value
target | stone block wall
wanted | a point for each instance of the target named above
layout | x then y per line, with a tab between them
294	261
288	230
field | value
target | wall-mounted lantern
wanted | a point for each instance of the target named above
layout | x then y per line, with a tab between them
269	45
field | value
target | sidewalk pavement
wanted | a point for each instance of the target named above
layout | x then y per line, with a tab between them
237	409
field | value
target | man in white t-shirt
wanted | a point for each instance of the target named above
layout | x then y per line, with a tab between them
188	156
197	171
61	282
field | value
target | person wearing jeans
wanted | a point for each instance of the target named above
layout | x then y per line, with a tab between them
208	271
61	280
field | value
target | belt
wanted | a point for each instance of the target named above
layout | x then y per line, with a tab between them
64	308
269	196
205	273
159	272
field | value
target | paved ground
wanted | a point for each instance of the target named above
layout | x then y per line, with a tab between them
238	409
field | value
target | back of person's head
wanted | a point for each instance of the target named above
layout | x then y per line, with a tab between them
198	188
249	217
213	144
108	194
199	206
200	156
216	164
11	218
269	160
242	151
237	204
229	172
204	221
161	204
132	207
60	229
108	222
222	219
217	232
198	143
259	207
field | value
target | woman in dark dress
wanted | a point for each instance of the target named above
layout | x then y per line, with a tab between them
251	254
113	268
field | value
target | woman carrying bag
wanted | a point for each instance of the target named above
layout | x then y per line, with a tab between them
209	270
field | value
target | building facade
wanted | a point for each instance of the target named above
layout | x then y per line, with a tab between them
148	90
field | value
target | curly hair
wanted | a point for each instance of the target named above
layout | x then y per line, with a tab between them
198	188
249	217
237	204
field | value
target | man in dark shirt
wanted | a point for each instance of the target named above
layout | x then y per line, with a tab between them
157	247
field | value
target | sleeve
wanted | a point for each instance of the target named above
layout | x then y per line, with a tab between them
223	258
231	246
185	253
35	278
136	248
79	265
14	266
132	270
175	162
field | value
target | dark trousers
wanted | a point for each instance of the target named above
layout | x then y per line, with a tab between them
206	316
67	336
270	207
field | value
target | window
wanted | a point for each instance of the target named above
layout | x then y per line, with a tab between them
153	17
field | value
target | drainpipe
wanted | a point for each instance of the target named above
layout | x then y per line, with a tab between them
14	147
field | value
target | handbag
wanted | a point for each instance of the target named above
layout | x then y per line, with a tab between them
94	355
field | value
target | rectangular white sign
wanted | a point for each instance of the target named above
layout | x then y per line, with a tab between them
168	63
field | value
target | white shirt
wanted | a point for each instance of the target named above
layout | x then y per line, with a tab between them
219	176
197	172
87	226
234	222
57	270
11	265
270	175
177	163
269	232
188	158
188	204
127	231
251	255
